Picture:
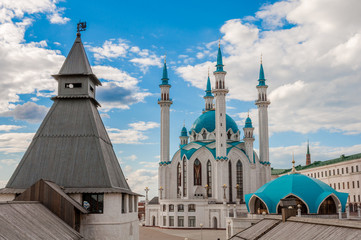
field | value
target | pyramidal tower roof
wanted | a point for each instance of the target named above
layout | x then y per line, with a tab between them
72	147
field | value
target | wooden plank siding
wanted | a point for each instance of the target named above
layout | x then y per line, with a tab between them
52	197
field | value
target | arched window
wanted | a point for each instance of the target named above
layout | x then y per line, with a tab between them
184	177
209	179
204	135
179	178
239	173
230	181
229	135
197	172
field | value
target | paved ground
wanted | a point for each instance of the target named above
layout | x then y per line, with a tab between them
154	233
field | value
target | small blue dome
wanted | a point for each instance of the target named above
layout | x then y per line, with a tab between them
310	190
248	123
208	121
184	132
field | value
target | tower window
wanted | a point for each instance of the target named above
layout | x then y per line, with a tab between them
72	85
94	201
91	89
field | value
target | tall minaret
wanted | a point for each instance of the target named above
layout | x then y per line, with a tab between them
220	92
209	96
262	104
308	155
248	138
164	102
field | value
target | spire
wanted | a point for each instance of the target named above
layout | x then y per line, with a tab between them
77	63
165	72
219	58
308	147
261	78
209	88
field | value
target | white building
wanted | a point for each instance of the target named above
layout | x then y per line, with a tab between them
215	168
342	174
72	149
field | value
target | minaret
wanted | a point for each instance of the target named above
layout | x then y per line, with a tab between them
183	136
308	155
209	96
164	102
248	138
220	92
262	104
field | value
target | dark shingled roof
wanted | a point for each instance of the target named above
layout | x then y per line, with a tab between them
71	147
77	63
342	158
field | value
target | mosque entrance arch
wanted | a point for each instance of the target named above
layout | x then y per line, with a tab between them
259	206
153	221
328	206
304	209
215	224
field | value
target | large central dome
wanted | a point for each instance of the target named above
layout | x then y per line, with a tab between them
208	121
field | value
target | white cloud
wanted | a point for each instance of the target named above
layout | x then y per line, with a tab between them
8	128
143	58
3	183
29	111
120	91
22	61
110	49
141	178
9	162
132	157
312	67
15	142
134	135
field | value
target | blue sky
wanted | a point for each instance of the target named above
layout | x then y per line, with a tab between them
311	56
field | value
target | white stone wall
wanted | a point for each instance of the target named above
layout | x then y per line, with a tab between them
204	213
112	223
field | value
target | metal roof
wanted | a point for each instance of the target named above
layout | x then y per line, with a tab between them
77	63
32	220
301	228
315	164
72	149
208	121
310	190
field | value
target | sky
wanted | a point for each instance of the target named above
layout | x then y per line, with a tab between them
311	56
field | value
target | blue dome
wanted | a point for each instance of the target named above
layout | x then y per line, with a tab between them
248	123
184	132
310	190
208	121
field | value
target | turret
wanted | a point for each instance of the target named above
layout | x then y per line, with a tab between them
76	78
262	104
248	138
209	96
183	136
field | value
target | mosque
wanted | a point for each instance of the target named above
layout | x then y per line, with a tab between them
213	166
